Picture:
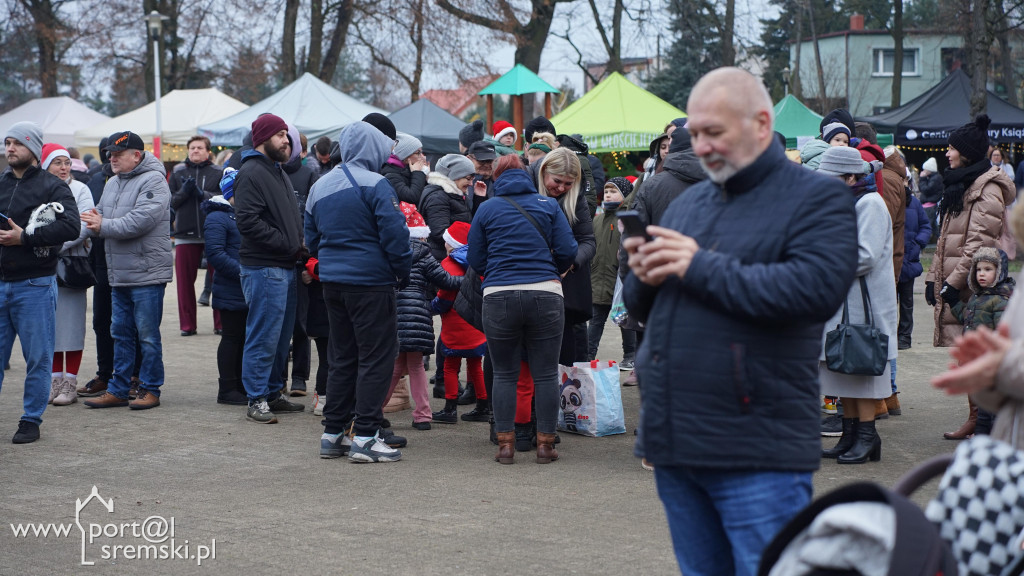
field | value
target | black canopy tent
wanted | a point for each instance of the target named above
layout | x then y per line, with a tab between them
928	119
434	126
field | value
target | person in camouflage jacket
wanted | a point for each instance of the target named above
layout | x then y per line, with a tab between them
987	303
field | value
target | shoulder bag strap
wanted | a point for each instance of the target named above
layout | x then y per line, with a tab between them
866	298
530	218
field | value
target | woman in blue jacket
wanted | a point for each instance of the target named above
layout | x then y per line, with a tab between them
522	245
222	243
916	234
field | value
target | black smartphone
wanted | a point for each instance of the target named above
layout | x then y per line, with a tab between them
632	224
3	221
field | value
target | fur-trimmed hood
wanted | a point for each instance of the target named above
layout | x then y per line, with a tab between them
1002	263
446	184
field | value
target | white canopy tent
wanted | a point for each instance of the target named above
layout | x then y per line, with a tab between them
59	117
309	104
182	111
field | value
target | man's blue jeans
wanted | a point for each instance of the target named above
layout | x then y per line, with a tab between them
137	312
270	293
28	309
721	521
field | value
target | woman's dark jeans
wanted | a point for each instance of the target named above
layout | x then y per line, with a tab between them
513	321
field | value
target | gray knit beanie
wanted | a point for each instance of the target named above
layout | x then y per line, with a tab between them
407	146
840	160
30	135
455	166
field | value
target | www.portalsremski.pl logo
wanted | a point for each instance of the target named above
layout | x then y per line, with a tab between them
149	539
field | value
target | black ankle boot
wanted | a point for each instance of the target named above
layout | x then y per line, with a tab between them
231	392
494	434
868	446
449	414
467	396
482	412
524	437
845	442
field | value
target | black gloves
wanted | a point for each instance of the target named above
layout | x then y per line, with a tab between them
949	294
190	188
929	293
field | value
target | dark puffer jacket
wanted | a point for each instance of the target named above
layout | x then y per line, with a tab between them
222	243
442	205
190	187
986	305
916	233
415	324
408	185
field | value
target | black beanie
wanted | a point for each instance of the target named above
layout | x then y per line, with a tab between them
382	123
971	140
538	124
838	115
470	133
680	140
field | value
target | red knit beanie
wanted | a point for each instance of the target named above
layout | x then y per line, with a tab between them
266	126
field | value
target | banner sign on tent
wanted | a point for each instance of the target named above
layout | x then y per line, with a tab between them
620	141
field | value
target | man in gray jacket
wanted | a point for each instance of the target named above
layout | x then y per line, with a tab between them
133	217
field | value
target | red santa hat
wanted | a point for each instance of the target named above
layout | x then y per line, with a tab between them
501	128
457	235
51	151
414	220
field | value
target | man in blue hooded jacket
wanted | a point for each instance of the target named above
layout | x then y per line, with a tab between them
355	228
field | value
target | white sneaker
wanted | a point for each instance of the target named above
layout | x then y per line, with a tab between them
372	450
68	393
318	404
56	384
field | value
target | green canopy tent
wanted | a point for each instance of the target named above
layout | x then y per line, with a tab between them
795	121
515	83
617	115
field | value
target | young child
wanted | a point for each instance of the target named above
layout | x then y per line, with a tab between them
604	269
992	287
504	133
836	134
459	339
415	322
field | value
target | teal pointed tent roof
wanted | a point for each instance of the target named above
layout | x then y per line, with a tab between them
518	81
793	119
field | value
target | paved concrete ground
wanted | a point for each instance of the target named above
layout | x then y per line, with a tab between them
273	506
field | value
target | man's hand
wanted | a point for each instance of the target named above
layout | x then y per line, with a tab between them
979	354
669	254
93	220
307	278
11	237
480	188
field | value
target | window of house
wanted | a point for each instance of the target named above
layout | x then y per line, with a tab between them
883	60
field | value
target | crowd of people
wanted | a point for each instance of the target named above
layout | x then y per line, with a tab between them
357	243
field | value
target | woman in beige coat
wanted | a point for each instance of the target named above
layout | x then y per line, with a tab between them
992	363
972	213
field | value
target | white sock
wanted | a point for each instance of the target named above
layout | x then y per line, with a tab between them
331	437
56	374
361	440
71	376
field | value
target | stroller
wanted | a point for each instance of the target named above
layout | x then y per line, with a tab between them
864	529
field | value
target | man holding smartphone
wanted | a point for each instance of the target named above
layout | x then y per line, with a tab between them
30	239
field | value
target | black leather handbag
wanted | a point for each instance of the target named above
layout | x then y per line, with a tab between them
857	349
75	272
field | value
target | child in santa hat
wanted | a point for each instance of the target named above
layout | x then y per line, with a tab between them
459	339
504	133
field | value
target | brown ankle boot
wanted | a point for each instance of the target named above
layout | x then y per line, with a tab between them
893	404
546	448
506	448
881	411
967	429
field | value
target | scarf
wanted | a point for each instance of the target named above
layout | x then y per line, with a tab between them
957	181
864	185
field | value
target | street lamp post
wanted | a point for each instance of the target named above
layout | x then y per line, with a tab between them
155	24
785	80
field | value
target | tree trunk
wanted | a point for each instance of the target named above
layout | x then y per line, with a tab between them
897	65
316	36
1006	68
46	29
796	86
978	58
530	45
291	16
728	46
416	35
823	101
338	38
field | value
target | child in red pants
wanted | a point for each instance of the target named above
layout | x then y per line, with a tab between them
458	338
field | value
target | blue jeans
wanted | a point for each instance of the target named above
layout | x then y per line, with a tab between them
270	293
892	374
137	312
28	309
721	520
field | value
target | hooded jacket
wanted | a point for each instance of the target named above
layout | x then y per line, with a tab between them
302	178
605	266
136	209
267	212
1007	398
408	185
917	231
190	187
981	223
986	305
354	225
894	192
506	249
873	154
931	188
458	337
415	320
733	353
222	243
36	257
810	154
442	205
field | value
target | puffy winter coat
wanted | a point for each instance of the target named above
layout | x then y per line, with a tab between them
190	187
136	209
810	154
458	337
986	306
408	185
981	223
302	178
1007	397
605	266
415	322
83	199
222	243
917	231
442	205
893	191
931	188
267	212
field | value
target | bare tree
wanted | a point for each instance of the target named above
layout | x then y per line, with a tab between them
728	34
897	64
977	41
291	17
